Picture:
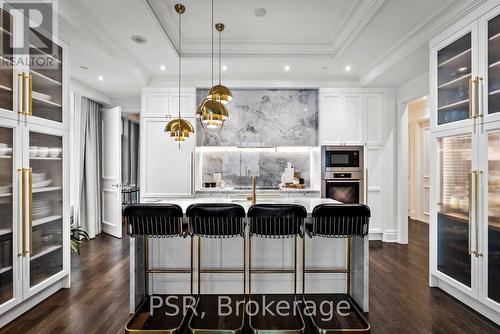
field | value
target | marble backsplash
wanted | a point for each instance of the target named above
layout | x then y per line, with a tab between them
266	117
237	167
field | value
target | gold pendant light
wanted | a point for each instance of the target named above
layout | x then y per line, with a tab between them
179	128
211	112
220	92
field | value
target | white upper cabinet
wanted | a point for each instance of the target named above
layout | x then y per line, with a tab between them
351	118
167	166
162	102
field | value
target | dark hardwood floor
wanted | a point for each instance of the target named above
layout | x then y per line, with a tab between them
400	300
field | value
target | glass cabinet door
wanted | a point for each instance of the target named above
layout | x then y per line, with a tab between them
453	221
454	73
494	66
493	234
46	207
6	215
6	68
46	79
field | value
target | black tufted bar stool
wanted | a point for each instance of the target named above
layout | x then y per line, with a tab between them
276	221
337	221
156	221
217	220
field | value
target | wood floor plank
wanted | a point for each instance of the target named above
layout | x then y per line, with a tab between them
400	299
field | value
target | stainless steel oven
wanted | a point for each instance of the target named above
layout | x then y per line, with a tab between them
342	176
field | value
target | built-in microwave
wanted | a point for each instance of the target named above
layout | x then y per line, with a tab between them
342	158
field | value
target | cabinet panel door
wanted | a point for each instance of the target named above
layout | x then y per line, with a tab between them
331	119
187	104
155	105
453	67
47	223
166	165
10	225
453	222
374	124
374	190
490	65
489	227
354	120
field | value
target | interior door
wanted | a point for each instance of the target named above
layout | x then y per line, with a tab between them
111	171
455	215
10	225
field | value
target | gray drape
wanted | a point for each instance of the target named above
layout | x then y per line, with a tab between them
90	171
130	152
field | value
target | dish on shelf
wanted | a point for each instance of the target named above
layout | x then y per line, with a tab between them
4	189
55	152
5	149
42	184
43	152
39	177
41	96
33	151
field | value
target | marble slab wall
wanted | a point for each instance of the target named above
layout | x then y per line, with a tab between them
237	167
266	117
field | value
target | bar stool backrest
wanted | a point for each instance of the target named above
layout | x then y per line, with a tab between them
276	220
154	220
216	220
340	220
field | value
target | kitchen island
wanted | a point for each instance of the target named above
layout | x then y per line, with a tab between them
321	253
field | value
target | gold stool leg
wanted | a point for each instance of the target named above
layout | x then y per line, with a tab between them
295	266
249	265
146	266
199	264
244	265
349	248
192	264
303	265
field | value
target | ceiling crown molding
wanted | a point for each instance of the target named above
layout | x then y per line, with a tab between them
358	16
89	26
419	36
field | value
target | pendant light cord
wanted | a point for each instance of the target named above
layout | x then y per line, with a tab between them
180	54
220	60
212	35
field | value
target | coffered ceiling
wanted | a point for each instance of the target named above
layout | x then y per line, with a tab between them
383	41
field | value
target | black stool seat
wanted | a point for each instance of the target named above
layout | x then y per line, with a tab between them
216	220
154	220
276	220
339	221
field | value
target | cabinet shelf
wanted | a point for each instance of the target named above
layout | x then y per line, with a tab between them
495	92
6	195
455	58
494	37
41	221
5	156
449	107
46	189
2	87
44	53
5	231
451	83
6	269
45	158
50	103
43	80
3	30
45	251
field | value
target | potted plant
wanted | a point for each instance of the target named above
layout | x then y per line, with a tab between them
78	238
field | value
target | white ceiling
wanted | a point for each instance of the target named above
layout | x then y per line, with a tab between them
384	41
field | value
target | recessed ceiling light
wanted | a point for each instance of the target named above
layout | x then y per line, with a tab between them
224	68
163	68
287	68
425	98
84	68
100	78
260	12
324	67
348	68
139	39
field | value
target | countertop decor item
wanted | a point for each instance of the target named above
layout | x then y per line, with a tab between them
179	128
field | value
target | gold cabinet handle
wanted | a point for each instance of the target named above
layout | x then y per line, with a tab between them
471	83
470	212
30	206
30	101
23	213
476	99
478	200
479	82
20	93
27	87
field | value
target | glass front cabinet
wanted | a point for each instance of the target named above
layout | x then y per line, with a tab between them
465	150
34	170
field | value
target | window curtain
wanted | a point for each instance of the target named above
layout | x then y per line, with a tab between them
130	152
90	168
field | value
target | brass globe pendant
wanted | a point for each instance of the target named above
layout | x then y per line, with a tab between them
212	114
179	128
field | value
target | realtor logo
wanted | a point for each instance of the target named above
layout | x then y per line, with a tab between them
28	28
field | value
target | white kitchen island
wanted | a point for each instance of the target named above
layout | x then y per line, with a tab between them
321	253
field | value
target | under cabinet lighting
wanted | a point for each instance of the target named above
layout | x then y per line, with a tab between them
348	68
287	68
282	149
224	68
163	68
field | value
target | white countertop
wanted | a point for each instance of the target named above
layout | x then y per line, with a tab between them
308	203
281	190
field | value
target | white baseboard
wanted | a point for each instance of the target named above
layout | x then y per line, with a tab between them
30	303
390	236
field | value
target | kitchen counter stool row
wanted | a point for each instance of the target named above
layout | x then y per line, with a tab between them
224	220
